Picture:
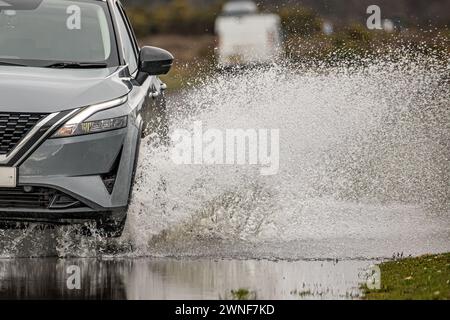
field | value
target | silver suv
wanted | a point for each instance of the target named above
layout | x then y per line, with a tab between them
76	95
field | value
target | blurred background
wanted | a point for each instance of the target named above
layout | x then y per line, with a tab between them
203	33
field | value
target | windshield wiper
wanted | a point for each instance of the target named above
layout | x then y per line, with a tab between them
4	63
76	65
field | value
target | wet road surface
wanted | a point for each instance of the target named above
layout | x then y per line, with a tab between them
179	279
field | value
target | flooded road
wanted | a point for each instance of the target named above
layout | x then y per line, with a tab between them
180	279
363	175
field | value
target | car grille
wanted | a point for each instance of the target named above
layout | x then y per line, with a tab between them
36	198
14	127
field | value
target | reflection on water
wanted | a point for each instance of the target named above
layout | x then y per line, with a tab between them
180	279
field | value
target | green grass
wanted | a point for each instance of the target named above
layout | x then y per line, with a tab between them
243	294
422	278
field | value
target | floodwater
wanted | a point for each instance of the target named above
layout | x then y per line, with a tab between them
179	279
363	176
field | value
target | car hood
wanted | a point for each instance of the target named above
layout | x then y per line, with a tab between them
29	89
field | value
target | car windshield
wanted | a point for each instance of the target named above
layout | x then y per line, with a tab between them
47	32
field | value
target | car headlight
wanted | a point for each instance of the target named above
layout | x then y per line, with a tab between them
79	126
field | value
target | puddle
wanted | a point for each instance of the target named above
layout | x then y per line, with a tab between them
181	279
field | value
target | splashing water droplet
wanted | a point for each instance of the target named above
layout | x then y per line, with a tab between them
364	154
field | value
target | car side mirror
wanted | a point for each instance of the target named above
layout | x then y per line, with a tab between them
155	61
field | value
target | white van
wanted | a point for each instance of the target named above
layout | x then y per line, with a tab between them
247	37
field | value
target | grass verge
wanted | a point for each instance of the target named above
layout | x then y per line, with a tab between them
422	278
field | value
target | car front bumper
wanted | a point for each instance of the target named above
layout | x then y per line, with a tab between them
74	179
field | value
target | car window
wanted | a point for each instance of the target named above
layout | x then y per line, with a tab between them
130	29
127	43
54	31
